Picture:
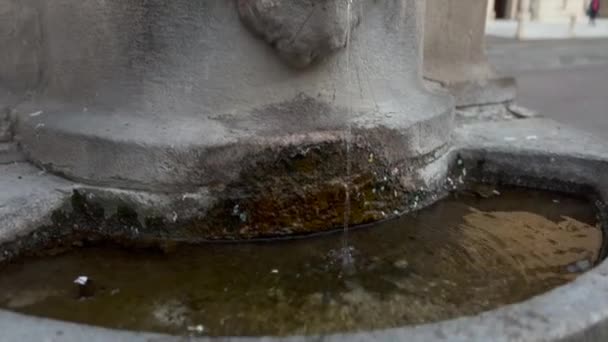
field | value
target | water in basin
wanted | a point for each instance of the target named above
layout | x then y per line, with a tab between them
461	256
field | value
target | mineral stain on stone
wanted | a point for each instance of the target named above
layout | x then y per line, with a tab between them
461	256
298	192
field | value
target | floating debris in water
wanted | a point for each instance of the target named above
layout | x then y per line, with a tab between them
36	113
531	137
85	287
484	191
510	138
82	280
274	271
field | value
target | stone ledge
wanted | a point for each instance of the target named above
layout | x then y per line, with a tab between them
177	154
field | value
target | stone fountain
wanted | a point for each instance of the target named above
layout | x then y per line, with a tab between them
248	114
255	119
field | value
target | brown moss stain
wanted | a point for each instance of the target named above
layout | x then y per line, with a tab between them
301	192
294	191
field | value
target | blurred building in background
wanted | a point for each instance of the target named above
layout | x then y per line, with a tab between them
544	19
540	10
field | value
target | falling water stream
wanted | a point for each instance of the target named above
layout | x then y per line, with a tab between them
347	257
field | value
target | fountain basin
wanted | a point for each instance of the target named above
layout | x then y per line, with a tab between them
177	115
477	250
534	152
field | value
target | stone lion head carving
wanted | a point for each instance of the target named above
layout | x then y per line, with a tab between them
301	31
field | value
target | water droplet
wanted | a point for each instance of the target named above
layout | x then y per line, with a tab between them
199	329
401	264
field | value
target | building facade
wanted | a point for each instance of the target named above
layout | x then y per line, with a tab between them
543	10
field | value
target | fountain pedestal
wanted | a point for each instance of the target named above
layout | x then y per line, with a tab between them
249	102
454	53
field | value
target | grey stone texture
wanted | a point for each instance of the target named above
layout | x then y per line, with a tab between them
454	53
21	41
6	125
173	95
20	57
9	153
28	196
301	31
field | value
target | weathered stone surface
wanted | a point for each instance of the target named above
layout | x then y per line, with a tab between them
454	53
179	97
304	31
20	43
171	96
5	125
27	199
9	153
20	57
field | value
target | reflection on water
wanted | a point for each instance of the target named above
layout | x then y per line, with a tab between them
459	257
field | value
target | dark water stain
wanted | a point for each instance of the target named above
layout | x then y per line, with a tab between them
461	256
